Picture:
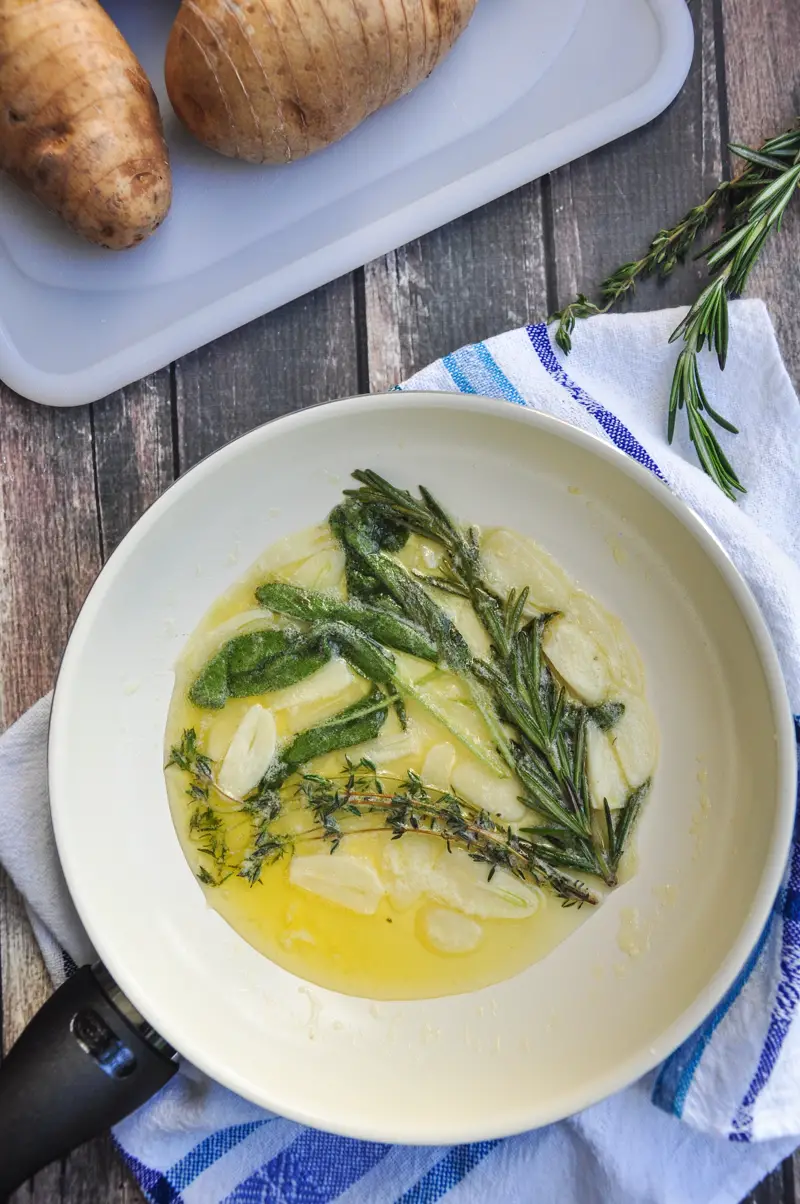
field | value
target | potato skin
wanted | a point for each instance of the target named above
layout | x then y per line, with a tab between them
79	123
271	81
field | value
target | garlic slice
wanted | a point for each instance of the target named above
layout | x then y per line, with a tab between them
624	662
410	868
467	622
634	738
437	768
513	562
499	796
464	884
577	658
450	931
352	882
250	752
327	683
603	770
324	570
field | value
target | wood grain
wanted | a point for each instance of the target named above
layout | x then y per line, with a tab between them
134	461
762	89
480	275
300	355
607	207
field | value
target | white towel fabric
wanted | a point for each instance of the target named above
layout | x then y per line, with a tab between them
733	1089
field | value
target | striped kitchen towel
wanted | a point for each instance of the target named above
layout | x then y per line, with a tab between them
735	1084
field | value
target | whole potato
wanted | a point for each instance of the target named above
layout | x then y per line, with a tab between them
273	80
79	123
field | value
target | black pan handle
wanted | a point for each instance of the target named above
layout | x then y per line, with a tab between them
85	1061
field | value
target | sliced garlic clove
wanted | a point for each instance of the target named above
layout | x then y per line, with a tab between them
514	562
437	768
250	752
467	622
450	931
409	866
624	662
577	658
603	770
388	749
634	738
478	785
464	884
297	548
328	682
325	570
352	882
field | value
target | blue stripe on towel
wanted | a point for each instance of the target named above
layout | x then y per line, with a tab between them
446	1174
787	993
474	370
617	432
675	1078
315	1169
210	1151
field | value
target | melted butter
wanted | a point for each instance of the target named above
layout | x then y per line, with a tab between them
382	956
634	933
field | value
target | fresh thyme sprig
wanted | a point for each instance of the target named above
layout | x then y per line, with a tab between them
409	808
412	807
762	193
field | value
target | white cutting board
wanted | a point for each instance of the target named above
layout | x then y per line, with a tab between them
531	85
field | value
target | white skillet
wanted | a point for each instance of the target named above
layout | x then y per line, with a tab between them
588	1019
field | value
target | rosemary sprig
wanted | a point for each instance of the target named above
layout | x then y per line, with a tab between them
762	192
516	686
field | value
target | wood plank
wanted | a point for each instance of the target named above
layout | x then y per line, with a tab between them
479	276
133	453
49	556
300	355
777	1188
607	207
762	70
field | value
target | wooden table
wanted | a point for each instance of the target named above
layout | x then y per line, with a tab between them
73	481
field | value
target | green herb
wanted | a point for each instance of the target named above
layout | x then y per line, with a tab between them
253	664
387	628
516	686
412	808
355	724
761	193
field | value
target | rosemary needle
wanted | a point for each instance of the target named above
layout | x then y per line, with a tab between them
761	193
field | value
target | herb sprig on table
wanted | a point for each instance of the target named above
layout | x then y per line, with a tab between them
758	198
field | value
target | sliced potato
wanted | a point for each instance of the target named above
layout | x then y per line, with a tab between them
250	752
449	931
513	562
634	738
606	780
577	658
352	882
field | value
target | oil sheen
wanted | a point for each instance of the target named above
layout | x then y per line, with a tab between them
397	951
